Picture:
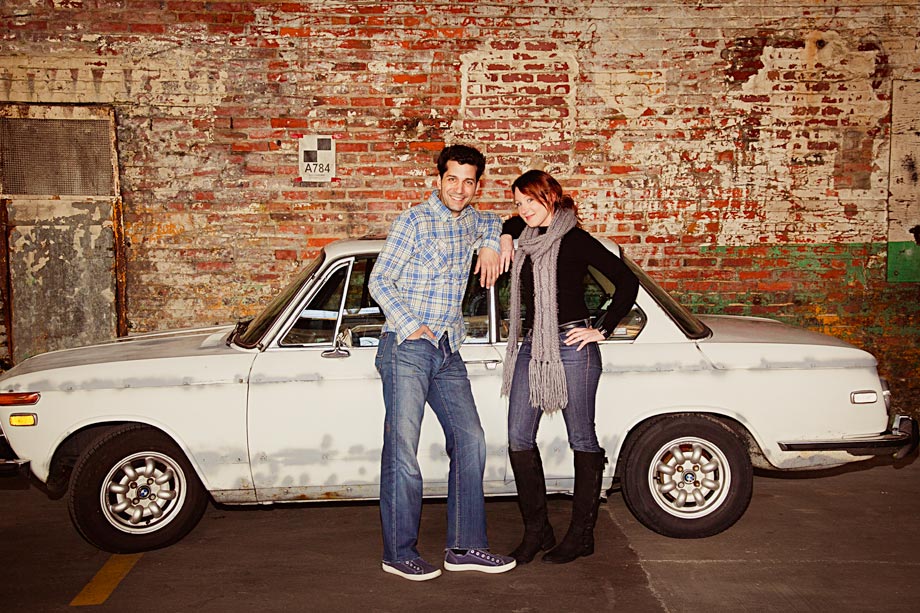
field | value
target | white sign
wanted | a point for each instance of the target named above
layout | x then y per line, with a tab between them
317	158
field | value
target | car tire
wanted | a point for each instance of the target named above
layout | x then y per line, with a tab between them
687	476
134	490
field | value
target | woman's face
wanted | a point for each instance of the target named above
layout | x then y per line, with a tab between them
533	212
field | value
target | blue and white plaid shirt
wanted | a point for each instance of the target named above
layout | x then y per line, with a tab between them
423	269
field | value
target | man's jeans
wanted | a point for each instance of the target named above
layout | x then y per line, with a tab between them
413	373
582	374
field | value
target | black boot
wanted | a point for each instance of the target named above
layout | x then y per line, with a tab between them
531	489
579	540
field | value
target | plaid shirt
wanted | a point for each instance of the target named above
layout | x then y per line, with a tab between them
422	272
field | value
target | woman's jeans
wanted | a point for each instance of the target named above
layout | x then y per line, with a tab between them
413	373
582	373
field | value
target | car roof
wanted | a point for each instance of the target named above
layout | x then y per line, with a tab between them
358	246
353	246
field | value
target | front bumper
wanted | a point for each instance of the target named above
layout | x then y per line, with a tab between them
10	465
899	441
14	468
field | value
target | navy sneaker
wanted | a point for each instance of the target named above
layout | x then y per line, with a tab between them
413	570
481	560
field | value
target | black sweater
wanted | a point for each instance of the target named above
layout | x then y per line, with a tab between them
577	251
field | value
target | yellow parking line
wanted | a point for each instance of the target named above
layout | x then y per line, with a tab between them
98	590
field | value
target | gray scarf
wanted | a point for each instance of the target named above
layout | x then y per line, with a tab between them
547	376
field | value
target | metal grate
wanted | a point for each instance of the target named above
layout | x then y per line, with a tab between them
56	157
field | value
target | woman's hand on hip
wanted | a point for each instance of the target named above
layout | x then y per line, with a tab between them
582	336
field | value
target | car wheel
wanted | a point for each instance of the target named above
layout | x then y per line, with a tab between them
134	490
687	476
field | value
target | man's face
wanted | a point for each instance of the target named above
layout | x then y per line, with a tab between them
458	186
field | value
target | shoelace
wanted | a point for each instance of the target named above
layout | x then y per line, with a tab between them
485	555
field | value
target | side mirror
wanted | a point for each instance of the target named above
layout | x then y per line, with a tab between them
340	346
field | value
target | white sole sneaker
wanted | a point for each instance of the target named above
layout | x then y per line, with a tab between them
411	577
492	570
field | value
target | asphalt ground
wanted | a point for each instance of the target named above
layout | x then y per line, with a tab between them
840	540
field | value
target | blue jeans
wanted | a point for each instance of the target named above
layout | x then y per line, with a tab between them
413	373
582	373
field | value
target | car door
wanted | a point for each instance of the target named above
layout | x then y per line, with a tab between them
316	405
552	437
644	356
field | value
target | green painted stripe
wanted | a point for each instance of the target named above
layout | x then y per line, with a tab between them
904	262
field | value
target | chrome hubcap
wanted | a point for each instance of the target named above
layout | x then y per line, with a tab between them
689	477
143	492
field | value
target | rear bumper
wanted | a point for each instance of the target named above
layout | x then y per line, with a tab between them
899	441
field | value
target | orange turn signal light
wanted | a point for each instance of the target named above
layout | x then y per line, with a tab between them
23	419
17	399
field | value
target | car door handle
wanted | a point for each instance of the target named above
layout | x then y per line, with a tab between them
489	364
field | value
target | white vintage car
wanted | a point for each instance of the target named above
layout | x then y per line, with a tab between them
140	432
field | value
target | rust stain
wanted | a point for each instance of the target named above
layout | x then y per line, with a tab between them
909	164
6	282
328	495
121	268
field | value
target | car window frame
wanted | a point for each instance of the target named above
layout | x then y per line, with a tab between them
472	280
308	296
278	313
681	316
371	258
597	275
322	277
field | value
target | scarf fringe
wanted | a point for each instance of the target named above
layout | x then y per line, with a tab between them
548	390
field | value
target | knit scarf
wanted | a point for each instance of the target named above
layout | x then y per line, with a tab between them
547	375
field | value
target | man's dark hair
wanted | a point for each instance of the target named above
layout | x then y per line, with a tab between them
462	154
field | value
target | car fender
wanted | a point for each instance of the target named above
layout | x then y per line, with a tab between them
726	415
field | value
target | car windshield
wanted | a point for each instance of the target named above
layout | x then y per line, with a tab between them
686	321
260	324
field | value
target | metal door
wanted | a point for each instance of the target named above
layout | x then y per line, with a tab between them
62	231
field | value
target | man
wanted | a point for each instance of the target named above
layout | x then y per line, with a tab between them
419	280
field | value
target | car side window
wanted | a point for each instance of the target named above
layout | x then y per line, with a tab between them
503	293
599	292
362	316
476	309
317	321
344	293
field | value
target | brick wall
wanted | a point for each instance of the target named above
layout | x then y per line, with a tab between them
740	151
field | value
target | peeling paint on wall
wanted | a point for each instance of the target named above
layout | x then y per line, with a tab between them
524	101
904	208
62	275
828	156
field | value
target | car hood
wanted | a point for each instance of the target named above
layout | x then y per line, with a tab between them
154	359
754	342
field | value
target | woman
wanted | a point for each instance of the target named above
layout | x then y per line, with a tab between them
557	366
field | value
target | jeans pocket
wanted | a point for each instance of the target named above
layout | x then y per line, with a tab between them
383	349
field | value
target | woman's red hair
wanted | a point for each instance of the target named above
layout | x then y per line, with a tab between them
541	186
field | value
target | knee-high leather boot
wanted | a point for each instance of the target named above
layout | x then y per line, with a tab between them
579	540
531	489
